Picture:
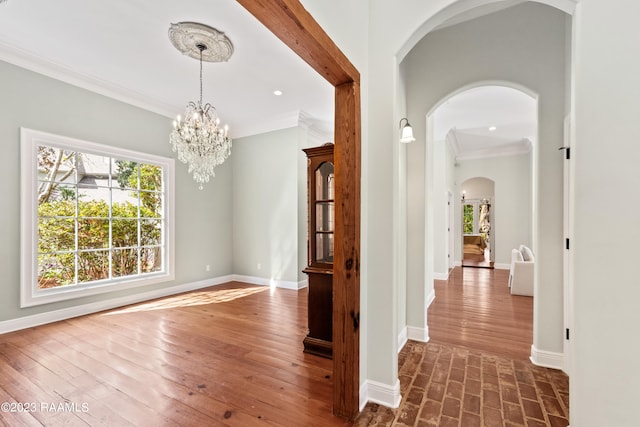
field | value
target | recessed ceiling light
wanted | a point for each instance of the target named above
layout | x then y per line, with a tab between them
277	92
492	128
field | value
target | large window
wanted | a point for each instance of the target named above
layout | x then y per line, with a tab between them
95	218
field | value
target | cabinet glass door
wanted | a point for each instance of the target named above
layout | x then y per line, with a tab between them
325	216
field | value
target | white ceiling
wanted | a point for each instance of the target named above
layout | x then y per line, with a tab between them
464	121
121	49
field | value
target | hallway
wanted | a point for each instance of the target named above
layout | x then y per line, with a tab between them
474	309
475	370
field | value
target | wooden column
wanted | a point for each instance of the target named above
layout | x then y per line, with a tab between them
346	271
291	23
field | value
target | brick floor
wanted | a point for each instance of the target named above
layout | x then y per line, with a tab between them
448	386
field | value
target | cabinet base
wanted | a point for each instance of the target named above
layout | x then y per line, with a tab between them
318	347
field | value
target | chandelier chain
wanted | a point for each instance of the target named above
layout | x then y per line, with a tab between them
201	47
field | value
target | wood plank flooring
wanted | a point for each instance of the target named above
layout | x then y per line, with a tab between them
474	309
229	355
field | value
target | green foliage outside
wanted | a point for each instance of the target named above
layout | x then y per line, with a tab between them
57	256
467	219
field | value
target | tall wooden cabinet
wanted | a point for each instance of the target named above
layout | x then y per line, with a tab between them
321	218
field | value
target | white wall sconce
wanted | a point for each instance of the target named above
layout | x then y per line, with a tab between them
406	131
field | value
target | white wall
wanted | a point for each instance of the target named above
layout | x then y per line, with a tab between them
495	48
603	383
440	211
203	218
606	103
265	206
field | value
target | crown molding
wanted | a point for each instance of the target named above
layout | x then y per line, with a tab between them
33	62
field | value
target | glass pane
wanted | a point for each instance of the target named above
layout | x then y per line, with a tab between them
125	262
56	270
324	247
124	210
56	235
56	164
125	174
56	208
93	266
124	197
94	169
93	201
93	233
50	192
151	204
150	232
150	260
150	177
324	216
124	232
324	181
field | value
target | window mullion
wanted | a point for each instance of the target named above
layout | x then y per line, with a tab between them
76	253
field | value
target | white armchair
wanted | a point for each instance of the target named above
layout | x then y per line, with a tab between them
521	273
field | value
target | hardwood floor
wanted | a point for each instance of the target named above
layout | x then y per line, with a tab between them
225	355
232	355
474	309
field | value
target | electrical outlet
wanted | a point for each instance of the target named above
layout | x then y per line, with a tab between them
259	266
207	267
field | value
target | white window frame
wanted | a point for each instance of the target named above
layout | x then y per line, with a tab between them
30	295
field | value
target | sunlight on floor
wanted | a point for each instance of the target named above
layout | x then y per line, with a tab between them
193	299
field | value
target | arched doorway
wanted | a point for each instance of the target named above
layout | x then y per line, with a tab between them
485	134
445	64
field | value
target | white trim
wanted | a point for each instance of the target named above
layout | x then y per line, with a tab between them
81	310
418	334
440	276
458	263
363	395
402	338
262	281
502	266
382	394
33	62
547	359
430	298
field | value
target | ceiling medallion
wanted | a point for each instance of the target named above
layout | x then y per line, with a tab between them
188	36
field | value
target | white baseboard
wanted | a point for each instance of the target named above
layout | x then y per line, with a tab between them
430	298
458	264
81	310
547	359
402	338
363	396
500	266
418	334
284	284
382	394
441	276
413	332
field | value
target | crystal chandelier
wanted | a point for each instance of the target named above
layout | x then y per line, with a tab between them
198	138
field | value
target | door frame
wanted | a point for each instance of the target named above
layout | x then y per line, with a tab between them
290	22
